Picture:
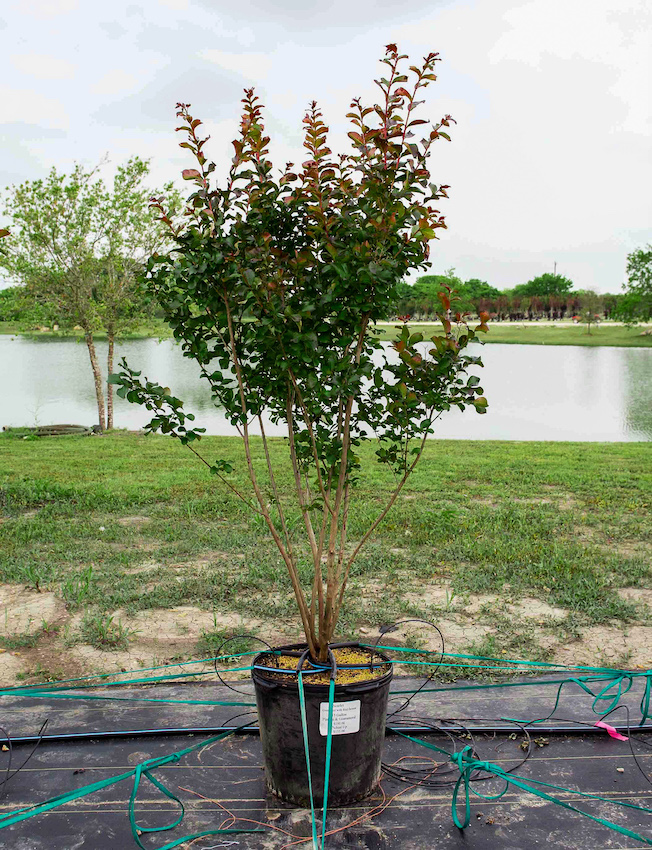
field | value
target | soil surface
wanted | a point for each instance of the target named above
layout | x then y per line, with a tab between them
42	640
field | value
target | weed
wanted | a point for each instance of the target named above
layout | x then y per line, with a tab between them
76	588
223	642
102	632
27	640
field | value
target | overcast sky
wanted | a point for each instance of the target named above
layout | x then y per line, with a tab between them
550	160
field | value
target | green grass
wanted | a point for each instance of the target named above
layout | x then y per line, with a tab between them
566	523
544	333
157	330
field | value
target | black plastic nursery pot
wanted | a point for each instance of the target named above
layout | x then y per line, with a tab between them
359	716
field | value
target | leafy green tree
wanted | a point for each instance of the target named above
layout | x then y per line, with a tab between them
17	307
272	287
423	296
430	284
545	285
478	295
590	308
78	249
636	303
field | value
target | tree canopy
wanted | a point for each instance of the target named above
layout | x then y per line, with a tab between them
636	304
545	285
80	250
272	287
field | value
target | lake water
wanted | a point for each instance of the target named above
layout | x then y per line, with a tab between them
534	392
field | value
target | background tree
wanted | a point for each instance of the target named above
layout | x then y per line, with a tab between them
422	297
545	285
590	308
17	307
478	295
78	250
636	303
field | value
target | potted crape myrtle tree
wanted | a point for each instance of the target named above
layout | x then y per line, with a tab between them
273	287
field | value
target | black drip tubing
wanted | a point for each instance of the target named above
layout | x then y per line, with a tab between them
254	730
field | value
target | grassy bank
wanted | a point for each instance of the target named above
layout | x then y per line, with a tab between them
158	330
548	333
538	550
544	333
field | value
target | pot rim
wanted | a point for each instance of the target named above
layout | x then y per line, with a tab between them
265	679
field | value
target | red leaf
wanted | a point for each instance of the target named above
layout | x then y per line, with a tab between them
190	174
445	300
4	232
403	92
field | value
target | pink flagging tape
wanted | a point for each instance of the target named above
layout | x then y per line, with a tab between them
611	731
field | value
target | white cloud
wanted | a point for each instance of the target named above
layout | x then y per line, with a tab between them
44	9
549	159
32	107
115	82
43	66
251	65
613	36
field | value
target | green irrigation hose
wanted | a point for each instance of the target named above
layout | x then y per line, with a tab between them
145	769
618	683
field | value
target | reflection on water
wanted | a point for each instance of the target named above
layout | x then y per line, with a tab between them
638	390
534	392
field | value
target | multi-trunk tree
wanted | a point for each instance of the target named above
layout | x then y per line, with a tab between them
81	250
273	288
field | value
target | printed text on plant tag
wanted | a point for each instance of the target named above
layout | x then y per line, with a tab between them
346	717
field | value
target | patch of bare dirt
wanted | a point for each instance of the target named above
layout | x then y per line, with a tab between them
489	501
145	567
536	609
636	594
436	595
23	610
215	556
10	667
458	633
133	521
160	635
477	601
533	501
630	646
632	548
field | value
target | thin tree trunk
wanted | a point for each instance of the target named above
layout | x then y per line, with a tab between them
97	376
109	388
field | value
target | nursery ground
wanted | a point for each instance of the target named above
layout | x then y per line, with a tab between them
122	551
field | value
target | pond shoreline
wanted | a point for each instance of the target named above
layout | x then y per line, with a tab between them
590	394
613	334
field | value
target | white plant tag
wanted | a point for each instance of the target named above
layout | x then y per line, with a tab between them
346	717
